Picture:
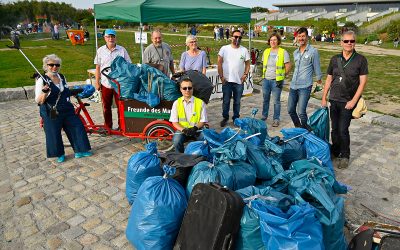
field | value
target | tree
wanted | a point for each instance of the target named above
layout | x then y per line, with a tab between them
393	30
259	9
350	26
324	24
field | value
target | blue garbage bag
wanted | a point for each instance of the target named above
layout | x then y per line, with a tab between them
266	167
161	84
319	122
293	150
280	182
199	148
314	184
334	237
151	99
215	139
252	126
234	150
297	228
249	237
141	166
244	174
127	75
206	172
157	213
88	90
314	146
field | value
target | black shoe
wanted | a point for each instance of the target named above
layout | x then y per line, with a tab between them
224	122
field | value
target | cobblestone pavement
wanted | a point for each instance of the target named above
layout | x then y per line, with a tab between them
81	204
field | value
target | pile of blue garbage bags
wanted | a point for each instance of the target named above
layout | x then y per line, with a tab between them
143	83
293	200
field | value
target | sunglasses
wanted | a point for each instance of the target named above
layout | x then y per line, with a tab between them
193	42
237	37
187	88
347	41
53	64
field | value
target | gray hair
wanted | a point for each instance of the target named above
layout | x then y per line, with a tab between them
189	38
156	31
53	57
349	32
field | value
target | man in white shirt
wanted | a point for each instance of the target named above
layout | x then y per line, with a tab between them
104	57
233	70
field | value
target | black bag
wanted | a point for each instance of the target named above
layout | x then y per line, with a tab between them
202	86
212	219
183	164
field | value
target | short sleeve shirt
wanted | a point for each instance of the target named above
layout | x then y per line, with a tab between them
353	68
234	62
197	62
188	106
104	58
159	55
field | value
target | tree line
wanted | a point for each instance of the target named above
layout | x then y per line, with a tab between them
12	14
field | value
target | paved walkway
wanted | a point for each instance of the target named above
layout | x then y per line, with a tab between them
80	204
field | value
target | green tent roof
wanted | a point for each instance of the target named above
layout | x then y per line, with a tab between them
172	11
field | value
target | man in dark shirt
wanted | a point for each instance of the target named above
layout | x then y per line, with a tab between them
346	87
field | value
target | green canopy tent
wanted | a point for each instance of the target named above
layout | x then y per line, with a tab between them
171	11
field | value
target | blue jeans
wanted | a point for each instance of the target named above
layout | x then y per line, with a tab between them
229	89
179	139
299	97
269	87
340	118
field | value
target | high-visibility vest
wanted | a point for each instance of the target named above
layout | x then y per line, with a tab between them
280	64
192	121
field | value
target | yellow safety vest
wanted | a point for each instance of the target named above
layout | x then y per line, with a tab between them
182	119
280	65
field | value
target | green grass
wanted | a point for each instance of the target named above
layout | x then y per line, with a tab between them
384	71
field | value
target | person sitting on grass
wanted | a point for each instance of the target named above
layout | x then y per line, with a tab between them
58	113
188	116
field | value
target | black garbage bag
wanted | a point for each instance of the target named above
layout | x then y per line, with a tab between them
202	86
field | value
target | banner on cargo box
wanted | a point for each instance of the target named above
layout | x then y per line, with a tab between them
144	112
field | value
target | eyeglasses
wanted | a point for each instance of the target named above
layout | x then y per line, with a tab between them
187	88
237	37
110	36
53	64
347	41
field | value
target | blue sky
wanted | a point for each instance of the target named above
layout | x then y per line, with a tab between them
84	4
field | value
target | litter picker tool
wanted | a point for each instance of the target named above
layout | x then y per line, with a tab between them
16	45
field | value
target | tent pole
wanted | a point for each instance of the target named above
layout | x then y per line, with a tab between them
187	33
141	44
249	37
95	32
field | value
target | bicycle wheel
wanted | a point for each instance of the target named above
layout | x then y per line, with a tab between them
162	134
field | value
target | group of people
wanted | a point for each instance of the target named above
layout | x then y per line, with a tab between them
345	82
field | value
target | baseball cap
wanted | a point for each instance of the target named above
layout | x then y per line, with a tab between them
108	32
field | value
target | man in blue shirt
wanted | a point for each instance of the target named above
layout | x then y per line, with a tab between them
306	59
